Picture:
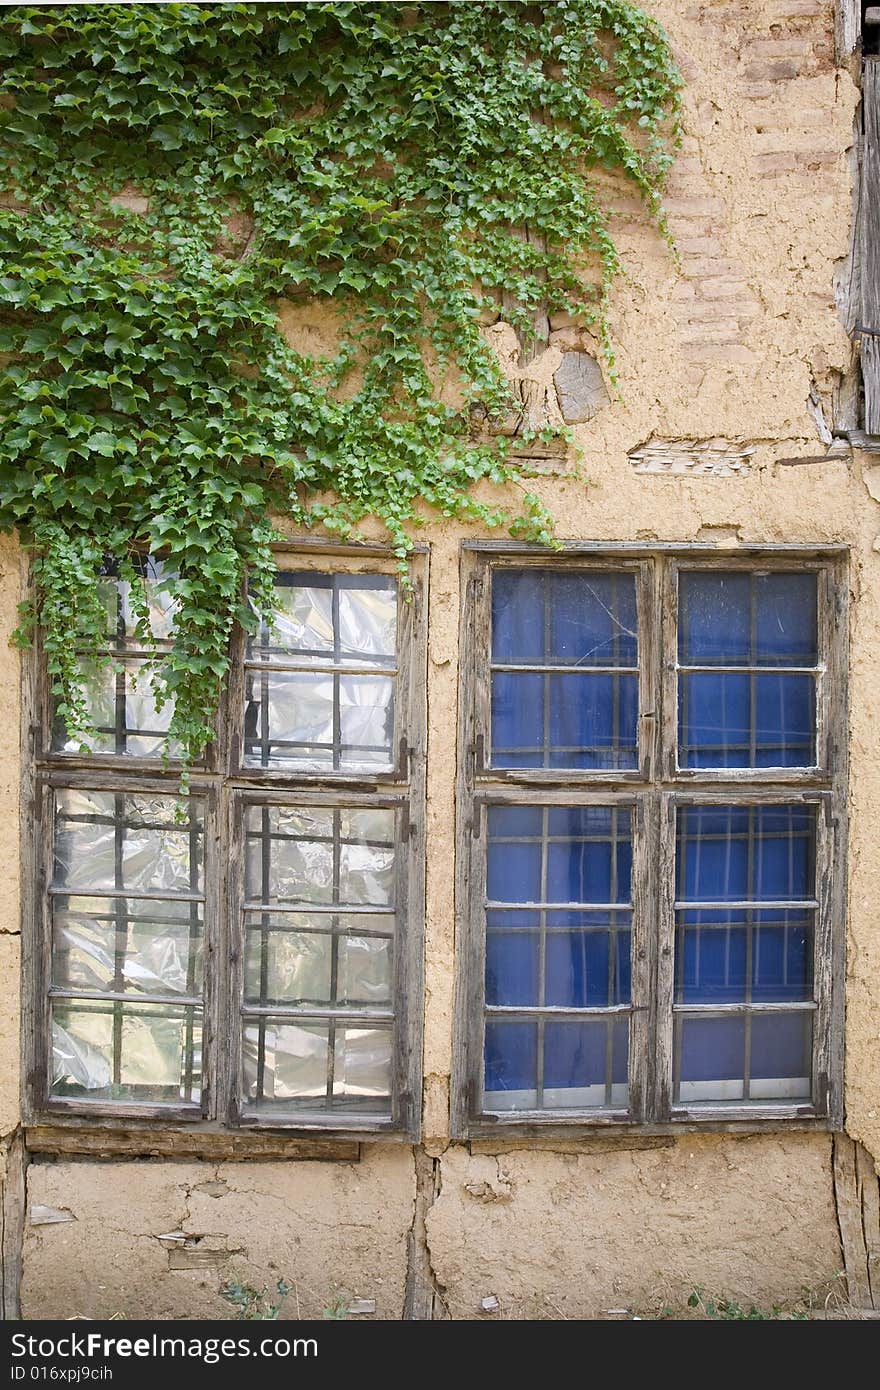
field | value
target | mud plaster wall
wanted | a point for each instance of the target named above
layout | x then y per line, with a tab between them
727	346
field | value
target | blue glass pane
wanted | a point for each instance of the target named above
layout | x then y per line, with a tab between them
587	969
511	1056
785	719
513	871
593	721
713	619
710	965
512	968
782	960
746	853
544	617
518	616
747	619
786	619
716	712
593	619
518	719
576	1054
589	854
781	1047
713	950
712	1049
515	821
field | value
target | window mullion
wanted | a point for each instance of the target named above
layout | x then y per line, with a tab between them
664	895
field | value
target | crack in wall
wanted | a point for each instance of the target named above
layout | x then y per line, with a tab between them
424	1300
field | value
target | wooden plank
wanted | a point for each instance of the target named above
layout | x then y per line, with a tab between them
847	29
704	550
466	1001
869	243
422	1299
742	1120
665	958
539	319
589	1144
169	1142
12	1210
849	1219
869	1192
409	999
838	761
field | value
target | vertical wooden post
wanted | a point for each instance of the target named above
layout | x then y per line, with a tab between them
869	243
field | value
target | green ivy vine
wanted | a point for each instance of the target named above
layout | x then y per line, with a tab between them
169	173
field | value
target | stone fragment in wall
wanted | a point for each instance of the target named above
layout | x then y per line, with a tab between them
131	199
49	1216
704	457
580	387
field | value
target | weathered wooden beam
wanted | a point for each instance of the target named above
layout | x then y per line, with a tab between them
869	244
857	1197
847	29
172	1143
12	1205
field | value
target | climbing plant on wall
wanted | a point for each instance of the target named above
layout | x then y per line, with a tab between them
169	173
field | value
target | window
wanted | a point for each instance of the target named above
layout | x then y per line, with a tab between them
651	823
249	955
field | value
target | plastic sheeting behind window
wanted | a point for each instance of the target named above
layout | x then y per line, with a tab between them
101	945
331	618
287	1065
126	1052
111	840
317	855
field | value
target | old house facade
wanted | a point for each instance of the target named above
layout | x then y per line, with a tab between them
580	1008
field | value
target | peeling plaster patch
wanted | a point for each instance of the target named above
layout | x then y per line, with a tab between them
872	482
716	457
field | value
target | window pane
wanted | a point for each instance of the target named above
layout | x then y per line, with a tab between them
554	1065
294	958
320	855
585	1064
730	957
585	963
747	619
576	854
116	840
584	718
319	721
731	720
330	619
781	1059
753	718
561	720
287	1067
753	953
511	1065
121	697
123	711
741	1057
544	617
745	853
149	1054
330	714
114	944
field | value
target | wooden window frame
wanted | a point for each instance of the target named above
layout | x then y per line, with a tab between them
218	1125
654	791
